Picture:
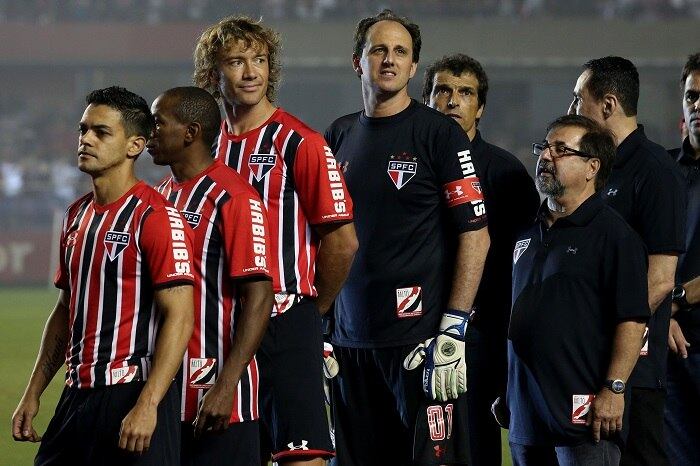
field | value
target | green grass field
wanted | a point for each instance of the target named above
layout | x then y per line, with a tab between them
23	312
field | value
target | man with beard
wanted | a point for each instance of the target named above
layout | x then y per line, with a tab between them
579	308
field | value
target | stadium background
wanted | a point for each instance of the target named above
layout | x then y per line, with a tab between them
53	52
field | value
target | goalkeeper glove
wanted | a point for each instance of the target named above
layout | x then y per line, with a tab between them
445	368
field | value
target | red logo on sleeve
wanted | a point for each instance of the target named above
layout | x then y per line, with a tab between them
461	191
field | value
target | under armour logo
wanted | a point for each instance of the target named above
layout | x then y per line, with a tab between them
303	445
571	250
612	192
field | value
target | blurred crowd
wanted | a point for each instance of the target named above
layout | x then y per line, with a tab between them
159	11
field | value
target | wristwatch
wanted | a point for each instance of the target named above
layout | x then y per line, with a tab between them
678	296
615	386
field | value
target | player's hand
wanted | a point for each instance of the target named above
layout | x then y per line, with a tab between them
215	410
137	429
676	340
330	364
445	368
605	415
22	428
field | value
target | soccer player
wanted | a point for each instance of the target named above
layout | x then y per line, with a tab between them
682	417
312	239
579	308
124	312
421	225
233	287
457	86
647	190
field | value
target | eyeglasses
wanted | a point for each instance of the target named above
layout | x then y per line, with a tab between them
557	150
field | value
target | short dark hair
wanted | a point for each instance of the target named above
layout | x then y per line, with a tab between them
387	15
457	64
691	66
136	115
196	105
617	76
597	141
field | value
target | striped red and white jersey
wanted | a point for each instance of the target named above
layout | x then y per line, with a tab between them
230	243
297	176
112	259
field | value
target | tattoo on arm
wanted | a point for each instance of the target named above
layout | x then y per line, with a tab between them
55	357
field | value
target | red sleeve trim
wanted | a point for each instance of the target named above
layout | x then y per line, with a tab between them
325	454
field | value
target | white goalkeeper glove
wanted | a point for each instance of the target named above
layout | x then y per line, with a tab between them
445	368
330	370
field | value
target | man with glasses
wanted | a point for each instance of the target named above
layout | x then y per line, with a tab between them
647	191
579	308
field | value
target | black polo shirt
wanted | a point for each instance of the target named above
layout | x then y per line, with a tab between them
646	189
689	262
572	284
511	202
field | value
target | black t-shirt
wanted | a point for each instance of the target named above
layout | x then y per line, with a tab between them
646	189
572	284
511	202
414	188
689	262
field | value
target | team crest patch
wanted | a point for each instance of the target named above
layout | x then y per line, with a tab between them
192	218
124	374
202	372
520	248
645	343
116	242
409	302
580	405
261	164
402	168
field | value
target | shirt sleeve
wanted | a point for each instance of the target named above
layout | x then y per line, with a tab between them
166	244
61	276
629	277
661	211
320	184
246	235
457	175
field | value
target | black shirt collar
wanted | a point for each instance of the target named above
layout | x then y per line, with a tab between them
580	217
477	141
628	147
686	154
379	122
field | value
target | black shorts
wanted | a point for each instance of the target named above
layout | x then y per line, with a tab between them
85	428
645	442
292	404
238	445
382	416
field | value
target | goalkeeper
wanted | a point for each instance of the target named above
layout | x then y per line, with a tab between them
421	226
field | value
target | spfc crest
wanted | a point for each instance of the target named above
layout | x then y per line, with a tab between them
116	242
202	372
261	164
401	172
520	248
191	217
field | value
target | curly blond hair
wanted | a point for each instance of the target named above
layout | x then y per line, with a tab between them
220	35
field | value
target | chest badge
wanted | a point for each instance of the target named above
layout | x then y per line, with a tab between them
520	247
261	164
116	242
192	218
402	168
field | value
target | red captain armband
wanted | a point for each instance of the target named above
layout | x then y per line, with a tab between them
460	191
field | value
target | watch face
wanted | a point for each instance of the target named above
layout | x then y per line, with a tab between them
618	386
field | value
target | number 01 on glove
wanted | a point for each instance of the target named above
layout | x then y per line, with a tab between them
443	358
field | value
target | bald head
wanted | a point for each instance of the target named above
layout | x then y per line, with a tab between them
195	105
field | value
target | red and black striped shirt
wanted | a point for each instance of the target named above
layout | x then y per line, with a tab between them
230	243
112	258
297	176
